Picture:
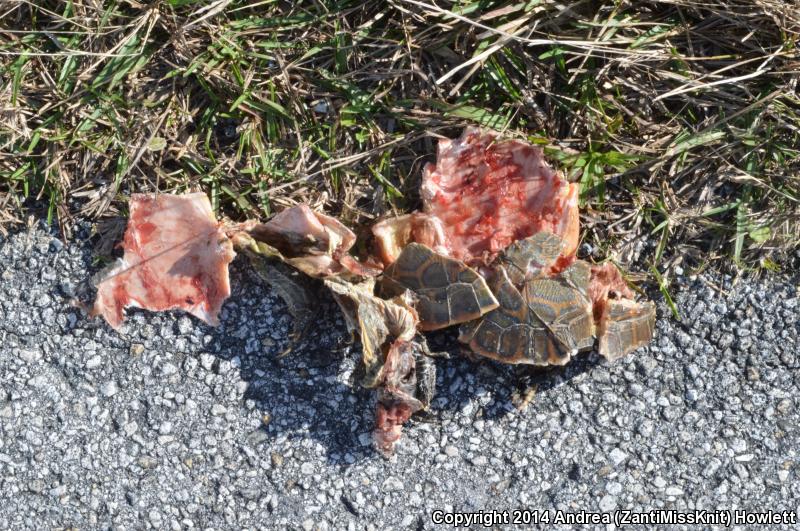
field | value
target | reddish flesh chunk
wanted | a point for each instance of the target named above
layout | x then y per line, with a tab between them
563	262
606	282
389	425
489	193
176	256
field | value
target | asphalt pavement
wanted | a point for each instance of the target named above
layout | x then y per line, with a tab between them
172	424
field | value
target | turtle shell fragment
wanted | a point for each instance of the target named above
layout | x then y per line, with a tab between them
513	333
565	311
626	326
623	324
448	292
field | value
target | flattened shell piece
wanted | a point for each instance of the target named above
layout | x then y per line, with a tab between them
512	333
564	310
625	326
448	291
525	258
578	275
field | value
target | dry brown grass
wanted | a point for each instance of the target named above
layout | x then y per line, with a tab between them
680	118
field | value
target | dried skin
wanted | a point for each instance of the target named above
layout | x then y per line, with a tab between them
292	287
396	395
379	322
176	256
393	355
314	243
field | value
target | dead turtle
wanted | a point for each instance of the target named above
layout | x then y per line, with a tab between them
537	311
492	250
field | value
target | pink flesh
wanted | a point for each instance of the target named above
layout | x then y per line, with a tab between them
389	420
176	256
489	193
606	282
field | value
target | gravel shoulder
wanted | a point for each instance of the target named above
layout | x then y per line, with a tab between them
174	424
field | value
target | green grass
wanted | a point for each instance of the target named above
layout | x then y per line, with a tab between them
680	119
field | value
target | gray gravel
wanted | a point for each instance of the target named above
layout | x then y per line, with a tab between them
174	424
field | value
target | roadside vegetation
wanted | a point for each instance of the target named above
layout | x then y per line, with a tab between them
680	119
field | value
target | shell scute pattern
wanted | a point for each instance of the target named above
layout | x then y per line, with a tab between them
628	327
531	315
540	320
449	292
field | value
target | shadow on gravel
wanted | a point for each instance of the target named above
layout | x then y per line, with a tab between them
308	392
301	394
